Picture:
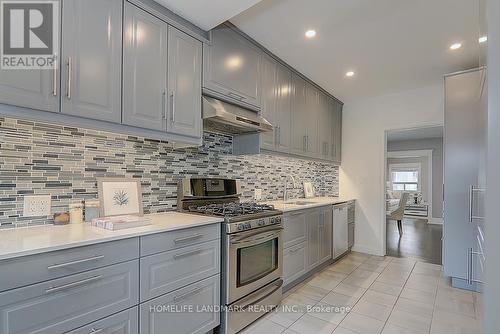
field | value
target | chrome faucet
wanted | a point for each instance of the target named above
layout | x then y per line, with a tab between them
285	193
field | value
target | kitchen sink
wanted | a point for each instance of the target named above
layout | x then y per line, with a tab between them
300	202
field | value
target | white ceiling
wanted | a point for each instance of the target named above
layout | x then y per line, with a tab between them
415	134
207	14
392	45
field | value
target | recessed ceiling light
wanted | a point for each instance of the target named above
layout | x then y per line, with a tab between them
349	74
483	39
310	33
455	46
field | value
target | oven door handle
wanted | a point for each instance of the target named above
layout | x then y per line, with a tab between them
247	236
266	293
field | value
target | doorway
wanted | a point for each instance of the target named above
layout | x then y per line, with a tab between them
414	192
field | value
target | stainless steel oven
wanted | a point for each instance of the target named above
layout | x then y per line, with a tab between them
254	259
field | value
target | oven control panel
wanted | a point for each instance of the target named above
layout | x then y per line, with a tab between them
253	224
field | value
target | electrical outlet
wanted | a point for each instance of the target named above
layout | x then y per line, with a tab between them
37	206
257	194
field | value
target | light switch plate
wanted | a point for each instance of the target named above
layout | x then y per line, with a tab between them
257	194
37	206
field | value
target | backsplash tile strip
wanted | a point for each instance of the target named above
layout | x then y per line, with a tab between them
40	158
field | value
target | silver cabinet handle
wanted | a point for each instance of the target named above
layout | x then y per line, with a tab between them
66	264
54	78
73	284
178	256
237	96
68	79
172	97
187	294
189	238
164	104
95	331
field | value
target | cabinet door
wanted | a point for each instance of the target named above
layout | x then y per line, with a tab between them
312	112
295	231
325	234
283	108
268	140
199	296
144	69
313	226
232	66
325	127
299	116
294	262
126	322
91	59
340	231
184	82
336	146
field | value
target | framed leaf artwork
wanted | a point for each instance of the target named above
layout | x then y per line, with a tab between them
119	196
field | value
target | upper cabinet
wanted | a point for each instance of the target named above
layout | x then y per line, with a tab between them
91	59
231	67
184	78
144	70
336	134
298	141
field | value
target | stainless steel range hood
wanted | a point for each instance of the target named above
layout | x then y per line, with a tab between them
220	116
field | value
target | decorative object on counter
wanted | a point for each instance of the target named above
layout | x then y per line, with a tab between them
115	223
61	218
309	190
119	196
92	208
76	212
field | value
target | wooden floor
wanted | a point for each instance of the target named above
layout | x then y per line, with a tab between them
420	240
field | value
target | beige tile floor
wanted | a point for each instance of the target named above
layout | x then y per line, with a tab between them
387	295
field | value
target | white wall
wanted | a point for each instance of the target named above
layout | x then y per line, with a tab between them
363	153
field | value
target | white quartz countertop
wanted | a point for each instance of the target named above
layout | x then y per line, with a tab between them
24	241
312	203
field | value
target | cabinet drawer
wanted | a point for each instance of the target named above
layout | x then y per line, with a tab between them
294	262
295	230
43	267
161	242
126	322
67	303
167	271
191	310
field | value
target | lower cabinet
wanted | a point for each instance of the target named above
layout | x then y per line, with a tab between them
325	234
186	310
63	304
294	262
126	322
313	220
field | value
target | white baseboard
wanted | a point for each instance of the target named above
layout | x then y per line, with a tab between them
435	221
366	250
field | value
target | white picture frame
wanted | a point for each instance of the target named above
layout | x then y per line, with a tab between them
119	196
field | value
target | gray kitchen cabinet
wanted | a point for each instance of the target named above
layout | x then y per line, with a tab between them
144	69
312	113
66	303
231	67
313	219
164	272
91	59
184	84
340	230
325	234
325	127
295	228
125	322
36	268
283	108
202	294
336	143
295	260
350	235
38	89
269	91
298	116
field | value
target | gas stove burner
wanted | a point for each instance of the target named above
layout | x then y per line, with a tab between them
231	209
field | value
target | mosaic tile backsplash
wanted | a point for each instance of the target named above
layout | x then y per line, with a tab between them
41	158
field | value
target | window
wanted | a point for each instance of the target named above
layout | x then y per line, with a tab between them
405	177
